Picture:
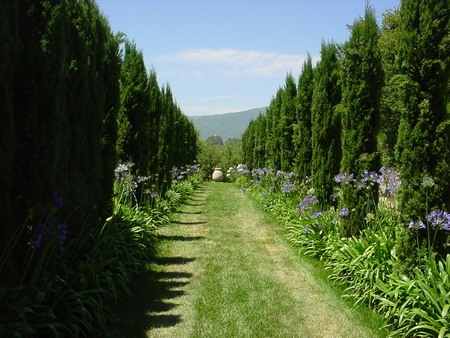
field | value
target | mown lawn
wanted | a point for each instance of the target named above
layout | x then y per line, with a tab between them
224	269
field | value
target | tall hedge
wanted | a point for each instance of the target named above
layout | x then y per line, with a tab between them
273	131
326	123
302	129
134	115
288	114
59	90
423	145
362	81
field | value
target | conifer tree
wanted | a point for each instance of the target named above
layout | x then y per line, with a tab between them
134	119
390	108
248	140
326	123
423	145
112	64
274	131
259	149
154	122
286	123
302	129
362	80
9	26
56	123
166	140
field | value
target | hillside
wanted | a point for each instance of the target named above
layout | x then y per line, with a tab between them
228	125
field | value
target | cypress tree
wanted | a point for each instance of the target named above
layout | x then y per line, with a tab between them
423	145
286	123
362	80
166	140
390	108
155	119
40	112
268	140
259	149
85	104
9	54
326	123
302	129
247	142
55	118
134	138
112	64
275	133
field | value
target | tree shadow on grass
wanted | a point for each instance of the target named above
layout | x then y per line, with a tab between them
172	260
180	238
189	212
193	204
154	294
189	223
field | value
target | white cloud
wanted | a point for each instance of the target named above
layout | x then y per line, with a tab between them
232	62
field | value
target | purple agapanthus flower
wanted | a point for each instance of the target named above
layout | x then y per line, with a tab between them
389	181
316	214
344	178
439	218
57	200
307	202
369	178
417	225
344	212
48	231
287	187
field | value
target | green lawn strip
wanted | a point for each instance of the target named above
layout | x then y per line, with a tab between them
224	269
254	285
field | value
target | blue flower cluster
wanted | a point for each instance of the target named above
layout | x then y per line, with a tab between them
48	231
307	203
439	219
287	187
344	212
179	174
388	180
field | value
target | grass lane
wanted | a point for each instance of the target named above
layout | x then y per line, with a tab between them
225	270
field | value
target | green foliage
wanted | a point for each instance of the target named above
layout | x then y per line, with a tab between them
59	115
302	128
219	156
418	306
389	107
415	306
134	116
254	147
215	140
72	291
362	80
287	120
62	267
326	123
422	147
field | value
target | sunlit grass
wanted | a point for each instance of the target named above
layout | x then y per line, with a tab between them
225	269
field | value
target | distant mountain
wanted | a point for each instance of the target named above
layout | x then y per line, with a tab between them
228	125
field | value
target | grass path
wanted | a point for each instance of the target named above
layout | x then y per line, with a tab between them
225	270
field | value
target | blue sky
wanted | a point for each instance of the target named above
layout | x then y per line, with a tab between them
221	56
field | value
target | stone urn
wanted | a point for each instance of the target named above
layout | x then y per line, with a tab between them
217	175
